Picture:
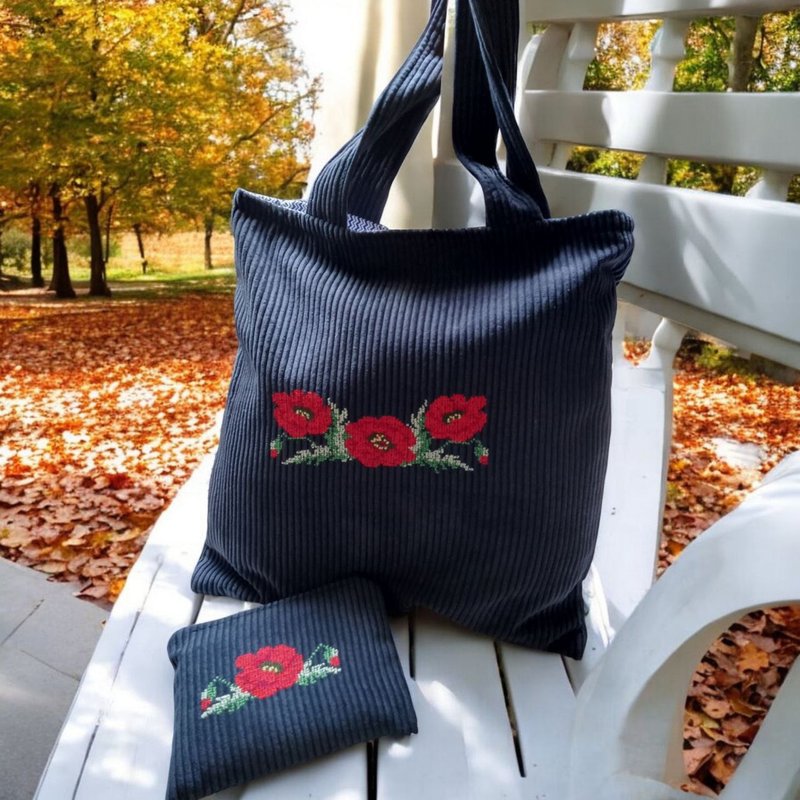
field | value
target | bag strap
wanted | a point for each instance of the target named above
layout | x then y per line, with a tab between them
358	178
485	77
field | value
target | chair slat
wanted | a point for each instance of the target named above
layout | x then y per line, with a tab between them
87	726
758	129
461	670
543	703
630	520
220	607
725	265
131	749
433	762
575	10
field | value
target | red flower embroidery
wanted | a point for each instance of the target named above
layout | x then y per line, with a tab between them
334	661
484	460
380	441
268	670
301	413
205	704
456	417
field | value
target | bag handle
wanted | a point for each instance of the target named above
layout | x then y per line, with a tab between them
358	178
485	77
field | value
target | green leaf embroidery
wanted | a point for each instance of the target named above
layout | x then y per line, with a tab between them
423	445
315	670
315	455
213	703
336	434
438	460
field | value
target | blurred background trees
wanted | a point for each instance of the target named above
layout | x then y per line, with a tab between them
144	116
741	54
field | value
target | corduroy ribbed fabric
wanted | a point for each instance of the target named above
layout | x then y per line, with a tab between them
333	679
473	367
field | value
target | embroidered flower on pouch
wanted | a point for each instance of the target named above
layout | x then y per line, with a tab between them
456	418
265	673
302	413
380	441
268	671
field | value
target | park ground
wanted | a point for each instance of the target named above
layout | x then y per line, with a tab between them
107	405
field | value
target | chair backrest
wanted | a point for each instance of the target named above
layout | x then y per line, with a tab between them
724	265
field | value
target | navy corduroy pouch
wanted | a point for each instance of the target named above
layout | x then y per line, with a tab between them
282	684
429	409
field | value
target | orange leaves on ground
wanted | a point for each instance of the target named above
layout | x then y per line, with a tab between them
730	427
716	412
733	689
105	409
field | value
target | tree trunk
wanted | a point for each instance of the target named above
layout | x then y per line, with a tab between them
740	65
97	269
137	229
61	283
107	254
36	252
208	233
2	213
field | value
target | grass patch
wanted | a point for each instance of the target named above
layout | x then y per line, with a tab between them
175	265
169	257
723	361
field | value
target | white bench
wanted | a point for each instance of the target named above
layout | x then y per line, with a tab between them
499	721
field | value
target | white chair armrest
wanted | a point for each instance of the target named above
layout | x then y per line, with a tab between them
628	725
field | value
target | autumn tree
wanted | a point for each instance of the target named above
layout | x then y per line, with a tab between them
255	99
623	56
741	54
27	170
147	110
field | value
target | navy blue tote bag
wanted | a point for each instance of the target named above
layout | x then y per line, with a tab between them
428	409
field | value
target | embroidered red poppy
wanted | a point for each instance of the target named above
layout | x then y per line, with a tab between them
268	670
456	417
301	413
380	441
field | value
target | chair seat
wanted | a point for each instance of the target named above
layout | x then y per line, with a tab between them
472	741
494	720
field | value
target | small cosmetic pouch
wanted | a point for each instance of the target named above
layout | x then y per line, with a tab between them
281	684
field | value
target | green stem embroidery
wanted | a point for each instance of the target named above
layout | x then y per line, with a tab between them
314	670
213	703
315	454
438	461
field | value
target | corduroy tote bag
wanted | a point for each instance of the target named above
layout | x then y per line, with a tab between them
429	409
